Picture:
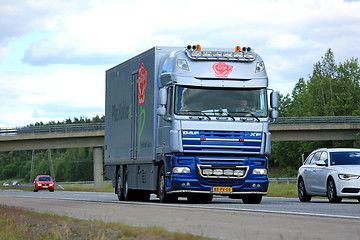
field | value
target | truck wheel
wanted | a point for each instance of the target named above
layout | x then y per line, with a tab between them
119	188
163	196
128	193
252	199
303	196
331	192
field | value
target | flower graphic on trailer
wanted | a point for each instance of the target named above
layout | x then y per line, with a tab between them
142	83
222	69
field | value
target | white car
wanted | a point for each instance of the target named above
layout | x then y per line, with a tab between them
334	173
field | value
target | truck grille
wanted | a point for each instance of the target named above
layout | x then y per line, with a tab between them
230	142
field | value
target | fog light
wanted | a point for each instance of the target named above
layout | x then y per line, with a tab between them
207	171
228	172
218	172
253	185
258	185
239	173
187	184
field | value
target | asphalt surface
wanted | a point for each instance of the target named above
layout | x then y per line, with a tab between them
274	218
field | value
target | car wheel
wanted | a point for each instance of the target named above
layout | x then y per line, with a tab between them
51	190
119	188
252	199
303	196
35	189
331	192
163	196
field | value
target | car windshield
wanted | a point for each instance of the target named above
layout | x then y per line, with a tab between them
345	158
220	101
44	179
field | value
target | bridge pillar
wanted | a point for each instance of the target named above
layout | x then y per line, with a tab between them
98	167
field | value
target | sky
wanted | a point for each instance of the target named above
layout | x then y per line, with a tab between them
54	53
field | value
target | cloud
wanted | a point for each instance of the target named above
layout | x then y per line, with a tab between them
51	96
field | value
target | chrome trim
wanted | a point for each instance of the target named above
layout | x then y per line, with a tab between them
215	193
224	139
221	146
221	159
228	152
222	176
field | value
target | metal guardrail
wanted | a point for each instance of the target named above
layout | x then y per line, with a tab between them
318	120
283	179
61	128
88	127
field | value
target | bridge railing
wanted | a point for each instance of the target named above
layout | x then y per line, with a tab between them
87	127
61	128
318	120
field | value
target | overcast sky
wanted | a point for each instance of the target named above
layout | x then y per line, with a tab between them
54	53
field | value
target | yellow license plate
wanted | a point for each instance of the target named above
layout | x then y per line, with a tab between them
221	189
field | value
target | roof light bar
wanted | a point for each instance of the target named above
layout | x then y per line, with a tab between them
244	54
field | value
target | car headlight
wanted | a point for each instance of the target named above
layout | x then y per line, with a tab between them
181	170
348	176
259	171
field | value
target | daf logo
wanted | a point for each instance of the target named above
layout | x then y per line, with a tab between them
255	134
191	132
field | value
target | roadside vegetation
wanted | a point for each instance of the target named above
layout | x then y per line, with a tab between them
17	223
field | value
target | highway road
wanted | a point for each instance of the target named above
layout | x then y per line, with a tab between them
274	218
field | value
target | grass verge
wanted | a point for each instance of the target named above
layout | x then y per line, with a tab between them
282	190
17	223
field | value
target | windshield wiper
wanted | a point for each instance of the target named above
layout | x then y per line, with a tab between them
251	115
228	115
202	113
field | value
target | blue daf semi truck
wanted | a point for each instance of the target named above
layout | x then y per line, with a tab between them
189	122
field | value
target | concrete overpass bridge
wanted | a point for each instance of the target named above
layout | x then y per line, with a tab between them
92	135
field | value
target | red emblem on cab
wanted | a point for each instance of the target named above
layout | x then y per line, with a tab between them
222	69
142	83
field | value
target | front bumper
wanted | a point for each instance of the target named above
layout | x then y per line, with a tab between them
348	188
196	182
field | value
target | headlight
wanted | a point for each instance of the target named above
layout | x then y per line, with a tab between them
260	171
181	170
348	176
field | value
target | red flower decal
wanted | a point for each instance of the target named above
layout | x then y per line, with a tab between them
222	70
142	83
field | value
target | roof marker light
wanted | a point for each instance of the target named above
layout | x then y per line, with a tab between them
198	47
237	49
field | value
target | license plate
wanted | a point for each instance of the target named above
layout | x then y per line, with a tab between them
221	189
45	186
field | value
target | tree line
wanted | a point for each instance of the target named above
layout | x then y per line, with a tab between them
331	90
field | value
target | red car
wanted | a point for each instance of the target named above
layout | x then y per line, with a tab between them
43	182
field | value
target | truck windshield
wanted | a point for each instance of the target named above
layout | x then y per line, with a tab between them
234	102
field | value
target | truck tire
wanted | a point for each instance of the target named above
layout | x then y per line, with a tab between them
119	188
252	199
163	196
129	194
